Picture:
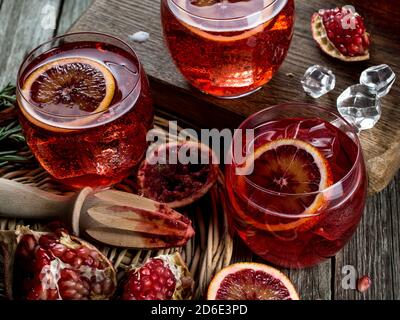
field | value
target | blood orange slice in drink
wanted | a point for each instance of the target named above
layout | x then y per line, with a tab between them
69	87
251	281
287	175
210	11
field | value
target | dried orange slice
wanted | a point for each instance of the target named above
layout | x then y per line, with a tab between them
251	281
69	87
290	173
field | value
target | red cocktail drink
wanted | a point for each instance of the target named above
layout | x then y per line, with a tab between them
228	48
85	108
301	190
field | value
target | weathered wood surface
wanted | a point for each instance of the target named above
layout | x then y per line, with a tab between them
374	250
381	145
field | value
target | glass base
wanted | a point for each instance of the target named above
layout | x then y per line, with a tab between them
233	97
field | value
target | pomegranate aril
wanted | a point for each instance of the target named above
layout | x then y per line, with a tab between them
86	284
94	254
47	241
108	286
83	252
52	294
145	271
170	282
69	294
68	256
157	287
96	288
67	284
58	250
29	243
77	262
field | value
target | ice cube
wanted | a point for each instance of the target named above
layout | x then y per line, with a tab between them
379	79
140	36
360	106
318	81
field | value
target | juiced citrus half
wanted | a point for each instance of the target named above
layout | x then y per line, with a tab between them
70	87
168	175
290	174
251	281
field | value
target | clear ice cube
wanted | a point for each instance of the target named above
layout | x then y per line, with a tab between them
360	106
318	81
378	79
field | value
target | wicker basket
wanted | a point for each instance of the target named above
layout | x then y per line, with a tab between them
206	253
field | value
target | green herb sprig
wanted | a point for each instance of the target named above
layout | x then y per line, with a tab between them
13	148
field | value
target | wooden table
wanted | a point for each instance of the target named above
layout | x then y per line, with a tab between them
375	248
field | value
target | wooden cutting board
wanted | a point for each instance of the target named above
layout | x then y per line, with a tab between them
172	94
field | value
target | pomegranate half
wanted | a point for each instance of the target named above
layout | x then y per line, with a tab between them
165	277
57	266
341	33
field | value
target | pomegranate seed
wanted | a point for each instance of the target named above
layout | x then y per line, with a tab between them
108	286
70	274
77	262
29	243
67	284
96	288
94	254
363	284
52	294
86	284
68	255
136	287
47	241
88	261
145	271
69	294
83	252
58	249
146	282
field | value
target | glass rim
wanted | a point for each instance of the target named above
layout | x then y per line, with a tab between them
321	108
20	91
227	19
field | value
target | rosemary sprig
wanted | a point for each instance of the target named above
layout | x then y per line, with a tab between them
7	97
12	142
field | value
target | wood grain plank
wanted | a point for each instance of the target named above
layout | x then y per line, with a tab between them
374	249
381	144
393	197
313	283
23	28
70	12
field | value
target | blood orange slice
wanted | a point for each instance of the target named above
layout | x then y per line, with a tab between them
251	281
213	11
69	87
290	173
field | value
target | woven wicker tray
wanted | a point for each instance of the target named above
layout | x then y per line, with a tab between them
206	253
